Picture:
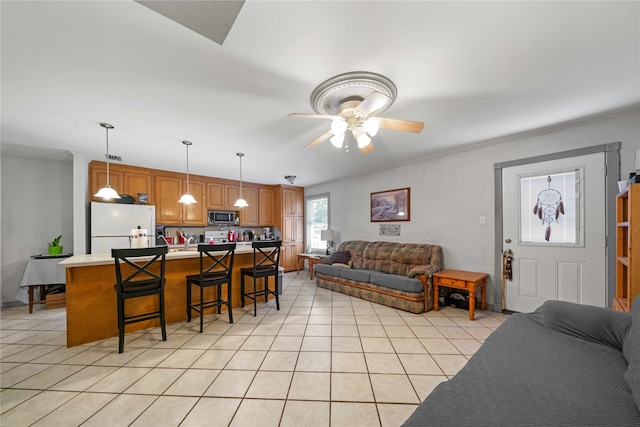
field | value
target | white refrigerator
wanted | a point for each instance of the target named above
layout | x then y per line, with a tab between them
111	225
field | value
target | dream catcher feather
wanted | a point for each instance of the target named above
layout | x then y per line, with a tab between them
548	207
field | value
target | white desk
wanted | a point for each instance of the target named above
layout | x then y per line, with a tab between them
39	272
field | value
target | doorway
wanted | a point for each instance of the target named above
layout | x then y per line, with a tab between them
552	212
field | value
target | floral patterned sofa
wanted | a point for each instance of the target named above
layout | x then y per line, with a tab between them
398	275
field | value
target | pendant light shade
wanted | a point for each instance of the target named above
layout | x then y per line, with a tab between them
241	202
187	198
106	192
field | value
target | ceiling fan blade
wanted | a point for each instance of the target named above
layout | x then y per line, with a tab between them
320	139
373	103
401	125
367	148
311	116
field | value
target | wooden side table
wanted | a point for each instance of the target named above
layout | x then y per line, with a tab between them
459	279
313	259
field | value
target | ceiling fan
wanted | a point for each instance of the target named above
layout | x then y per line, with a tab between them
353	101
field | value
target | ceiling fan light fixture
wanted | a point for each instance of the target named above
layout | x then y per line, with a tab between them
337	140
371	126
339	126
363	140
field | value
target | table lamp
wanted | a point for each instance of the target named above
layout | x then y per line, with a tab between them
328	236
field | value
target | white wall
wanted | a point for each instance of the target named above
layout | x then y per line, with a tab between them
450	193
37	206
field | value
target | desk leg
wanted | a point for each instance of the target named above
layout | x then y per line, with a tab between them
436	306
472	300
483	295
310	269
298	264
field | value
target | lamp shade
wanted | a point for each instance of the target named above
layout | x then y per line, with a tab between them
107	193
241	203
327	235
187	199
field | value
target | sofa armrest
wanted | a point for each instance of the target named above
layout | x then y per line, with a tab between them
595	324
424	270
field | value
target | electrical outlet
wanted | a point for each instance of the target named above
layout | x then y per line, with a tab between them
483	220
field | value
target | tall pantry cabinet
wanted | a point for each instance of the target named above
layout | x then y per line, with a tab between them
289	213
627	247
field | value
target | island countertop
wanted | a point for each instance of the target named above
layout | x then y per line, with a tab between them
91	297
175	252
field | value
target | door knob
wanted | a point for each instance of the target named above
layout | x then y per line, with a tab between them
508	241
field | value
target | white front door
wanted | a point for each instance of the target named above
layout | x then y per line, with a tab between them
554	223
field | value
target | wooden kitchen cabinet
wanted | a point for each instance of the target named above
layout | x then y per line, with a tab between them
215	195
168	190
136	182
293	201
232	193
289	256
249	214
98	179
195	213
265	210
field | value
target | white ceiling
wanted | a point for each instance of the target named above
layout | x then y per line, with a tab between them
472	71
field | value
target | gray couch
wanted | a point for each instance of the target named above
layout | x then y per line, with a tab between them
398	275
563	365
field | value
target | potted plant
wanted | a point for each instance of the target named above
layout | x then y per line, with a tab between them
54	246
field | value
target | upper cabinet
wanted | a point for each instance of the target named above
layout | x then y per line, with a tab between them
293	201
168	190
249	214
164	189
265	210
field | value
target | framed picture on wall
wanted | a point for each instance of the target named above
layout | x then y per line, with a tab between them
391	205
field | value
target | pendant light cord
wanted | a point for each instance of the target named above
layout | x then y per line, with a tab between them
241	177
187	167
107	155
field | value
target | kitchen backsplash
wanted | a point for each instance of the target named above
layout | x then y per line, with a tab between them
196	232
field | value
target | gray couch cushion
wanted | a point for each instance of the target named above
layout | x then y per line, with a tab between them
590	323
632	352
356	275
526	374
328	270
395	281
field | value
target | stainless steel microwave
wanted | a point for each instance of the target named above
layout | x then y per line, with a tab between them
222	217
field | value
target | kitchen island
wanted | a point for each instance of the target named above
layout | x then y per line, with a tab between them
91	298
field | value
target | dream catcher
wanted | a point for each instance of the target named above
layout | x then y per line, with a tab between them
548	207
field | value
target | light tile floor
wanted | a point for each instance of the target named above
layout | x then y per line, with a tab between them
323	359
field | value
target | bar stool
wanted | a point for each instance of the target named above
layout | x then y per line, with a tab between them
266	257
139	281
217	273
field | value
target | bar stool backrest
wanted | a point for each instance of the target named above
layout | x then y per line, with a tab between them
141	269
220	258
266	255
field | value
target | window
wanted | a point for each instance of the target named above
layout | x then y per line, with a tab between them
317	212
550	208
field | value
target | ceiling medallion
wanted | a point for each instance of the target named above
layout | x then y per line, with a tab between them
353	86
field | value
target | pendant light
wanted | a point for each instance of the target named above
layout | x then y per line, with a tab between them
106	192
241	202
187	198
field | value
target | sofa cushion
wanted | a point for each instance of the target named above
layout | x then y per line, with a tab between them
356	275
396	281
631	352
328	270
527	374
395	258
590	323
356	249
340	257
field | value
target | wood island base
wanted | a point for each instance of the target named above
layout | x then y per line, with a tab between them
91	298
